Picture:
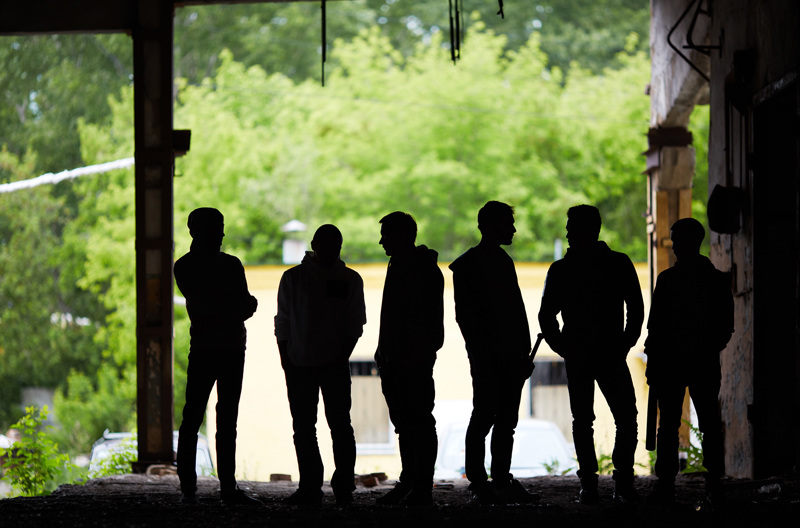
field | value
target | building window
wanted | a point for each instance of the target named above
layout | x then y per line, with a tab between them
549	396
369	414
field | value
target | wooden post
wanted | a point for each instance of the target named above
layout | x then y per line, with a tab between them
670	169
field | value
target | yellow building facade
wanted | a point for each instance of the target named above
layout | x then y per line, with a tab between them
265	446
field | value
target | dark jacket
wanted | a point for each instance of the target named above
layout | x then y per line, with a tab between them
317	308
594	289
489	306
692	312
412	311
217	299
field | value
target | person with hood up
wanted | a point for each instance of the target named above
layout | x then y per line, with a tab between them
218	303
411	332
321	315
491	314
597	292
690	323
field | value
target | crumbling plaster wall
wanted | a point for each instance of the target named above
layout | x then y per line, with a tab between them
770	29
730	25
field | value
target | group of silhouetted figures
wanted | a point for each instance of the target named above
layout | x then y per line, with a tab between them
321	313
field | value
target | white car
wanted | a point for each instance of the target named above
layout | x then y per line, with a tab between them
539	449
113	443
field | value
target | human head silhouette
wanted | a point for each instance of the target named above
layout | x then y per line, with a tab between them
583	225
686	234
327	244
496	223
207	225
398	233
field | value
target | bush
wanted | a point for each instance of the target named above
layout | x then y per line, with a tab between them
33	464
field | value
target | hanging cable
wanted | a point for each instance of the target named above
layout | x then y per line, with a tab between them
456	26
452	33
502	15
324	31
459	25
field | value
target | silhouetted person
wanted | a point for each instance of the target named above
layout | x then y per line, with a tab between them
321	315
691	321
595	289
411	331
218	303
492	318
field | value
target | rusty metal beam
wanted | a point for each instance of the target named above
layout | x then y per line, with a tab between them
37	17
57	16
155	164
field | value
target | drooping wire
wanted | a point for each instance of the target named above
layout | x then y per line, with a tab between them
324	35
456	27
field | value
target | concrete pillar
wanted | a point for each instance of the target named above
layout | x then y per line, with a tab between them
153	141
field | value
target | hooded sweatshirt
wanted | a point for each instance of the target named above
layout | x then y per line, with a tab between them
489	306
412	311
691	313
597	292
317	308
217	298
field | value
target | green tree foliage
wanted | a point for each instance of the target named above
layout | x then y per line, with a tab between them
592	32
415	133
48	83
280	37
47	326
286	37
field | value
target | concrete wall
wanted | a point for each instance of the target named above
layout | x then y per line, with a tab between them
770	29
753	146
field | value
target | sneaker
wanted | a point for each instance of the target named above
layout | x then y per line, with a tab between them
515	493
624	492
189	498
395	495
237	497
417	499
303	498
344	498
626	495
663	493
589	494
482	494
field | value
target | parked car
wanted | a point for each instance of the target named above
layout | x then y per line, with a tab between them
113	443
539	449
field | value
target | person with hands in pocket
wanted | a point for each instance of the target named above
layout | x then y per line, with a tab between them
321	315
597	292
